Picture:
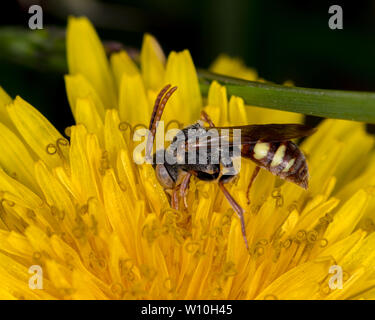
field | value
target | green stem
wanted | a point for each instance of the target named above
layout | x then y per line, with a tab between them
349	105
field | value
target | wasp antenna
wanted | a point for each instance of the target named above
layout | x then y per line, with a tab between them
157	112
156	105
160	110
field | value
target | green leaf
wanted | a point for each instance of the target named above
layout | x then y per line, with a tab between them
349	105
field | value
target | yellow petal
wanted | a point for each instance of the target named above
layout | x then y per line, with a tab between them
237	112
5	99
113	138
86	56
152	63
119	212
344	247
133	104
347	217
78	87
87	115
18	193
233	67
56	195
81	173
122	64
41	136
217	104
186	103
15	158
301	281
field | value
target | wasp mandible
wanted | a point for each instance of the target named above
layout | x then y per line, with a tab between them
268	145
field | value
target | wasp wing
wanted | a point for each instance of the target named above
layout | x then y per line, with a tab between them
251	134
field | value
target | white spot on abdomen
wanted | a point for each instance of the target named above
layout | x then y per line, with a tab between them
279	156
289	165
261	149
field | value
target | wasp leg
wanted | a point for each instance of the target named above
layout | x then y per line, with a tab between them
237	208
254	175
175	199
185	187
205	117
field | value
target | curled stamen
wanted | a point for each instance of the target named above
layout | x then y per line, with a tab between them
117	289
287	243
327	219
102	264
312	236
192	247
37	255
301	235
62	142
323	243
98	262
276	193
51	149
123	126
259	251
8	202
325	289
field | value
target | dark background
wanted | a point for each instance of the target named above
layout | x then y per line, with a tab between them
285	39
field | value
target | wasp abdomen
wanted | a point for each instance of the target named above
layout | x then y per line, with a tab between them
283	159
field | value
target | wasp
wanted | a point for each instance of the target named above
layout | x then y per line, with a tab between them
269	146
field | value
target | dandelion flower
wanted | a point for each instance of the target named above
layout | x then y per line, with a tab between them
101	227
